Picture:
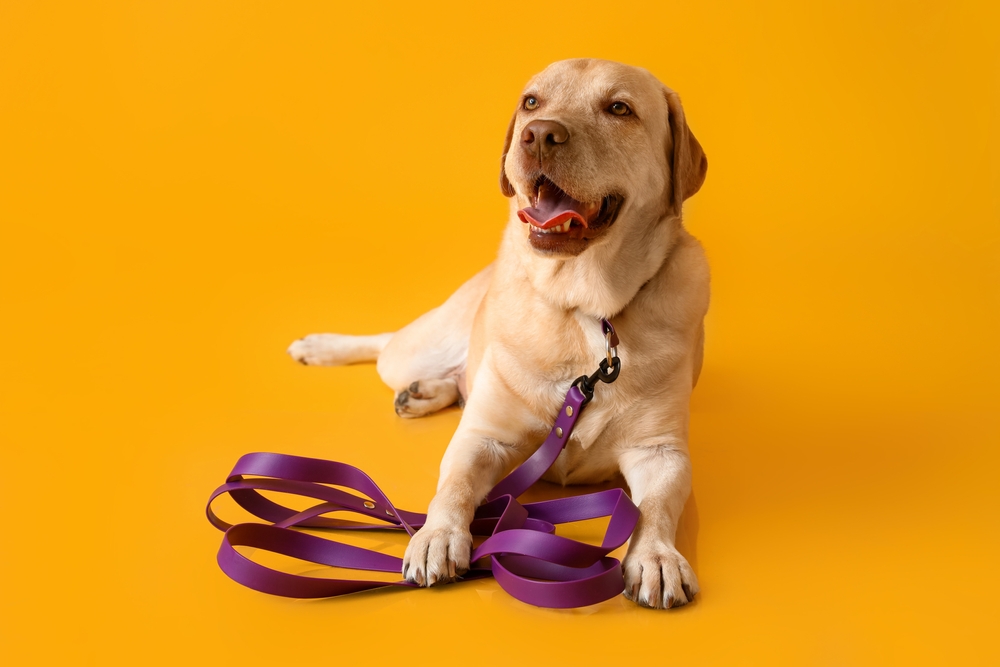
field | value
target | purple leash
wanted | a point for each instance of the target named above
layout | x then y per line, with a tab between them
522	551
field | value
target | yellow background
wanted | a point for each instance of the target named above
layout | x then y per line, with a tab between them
186	187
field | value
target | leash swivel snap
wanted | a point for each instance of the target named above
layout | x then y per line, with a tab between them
607	373
609	367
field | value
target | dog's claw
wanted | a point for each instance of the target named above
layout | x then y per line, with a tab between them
658	577
437	556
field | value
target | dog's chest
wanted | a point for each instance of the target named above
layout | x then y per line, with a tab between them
544	374
588	456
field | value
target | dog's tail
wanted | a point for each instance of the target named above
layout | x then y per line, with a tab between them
327	349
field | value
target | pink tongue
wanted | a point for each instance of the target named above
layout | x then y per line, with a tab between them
553	208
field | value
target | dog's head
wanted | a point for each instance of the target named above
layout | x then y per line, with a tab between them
596	145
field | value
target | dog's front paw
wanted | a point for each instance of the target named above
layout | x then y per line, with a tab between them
437	555
658	576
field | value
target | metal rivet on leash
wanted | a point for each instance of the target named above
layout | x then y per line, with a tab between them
559	431
569	410
369	504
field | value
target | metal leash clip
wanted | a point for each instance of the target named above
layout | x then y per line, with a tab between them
609	367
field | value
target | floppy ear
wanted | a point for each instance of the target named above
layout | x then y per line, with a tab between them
688	164
505	187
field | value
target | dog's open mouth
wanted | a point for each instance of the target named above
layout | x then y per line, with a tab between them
559	223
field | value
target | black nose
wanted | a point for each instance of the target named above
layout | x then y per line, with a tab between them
539	137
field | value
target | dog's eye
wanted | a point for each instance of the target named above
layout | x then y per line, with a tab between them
619	109
530	103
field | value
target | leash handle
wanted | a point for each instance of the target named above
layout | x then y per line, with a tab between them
522	551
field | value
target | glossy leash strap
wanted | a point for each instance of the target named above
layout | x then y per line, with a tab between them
522	551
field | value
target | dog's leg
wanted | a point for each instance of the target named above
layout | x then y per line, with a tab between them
659	476
491	438
423	363
327	349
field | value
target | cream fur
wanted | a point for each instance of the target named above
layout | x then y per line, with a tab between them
513	337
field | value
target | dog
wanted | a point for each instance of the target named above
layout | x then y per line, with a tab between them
597	162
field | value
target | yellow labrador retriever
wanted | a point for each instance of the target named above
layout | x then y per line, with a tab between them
597	162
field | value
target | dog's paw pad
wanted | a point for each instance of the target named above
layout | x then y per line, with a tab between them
426	396
402	400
